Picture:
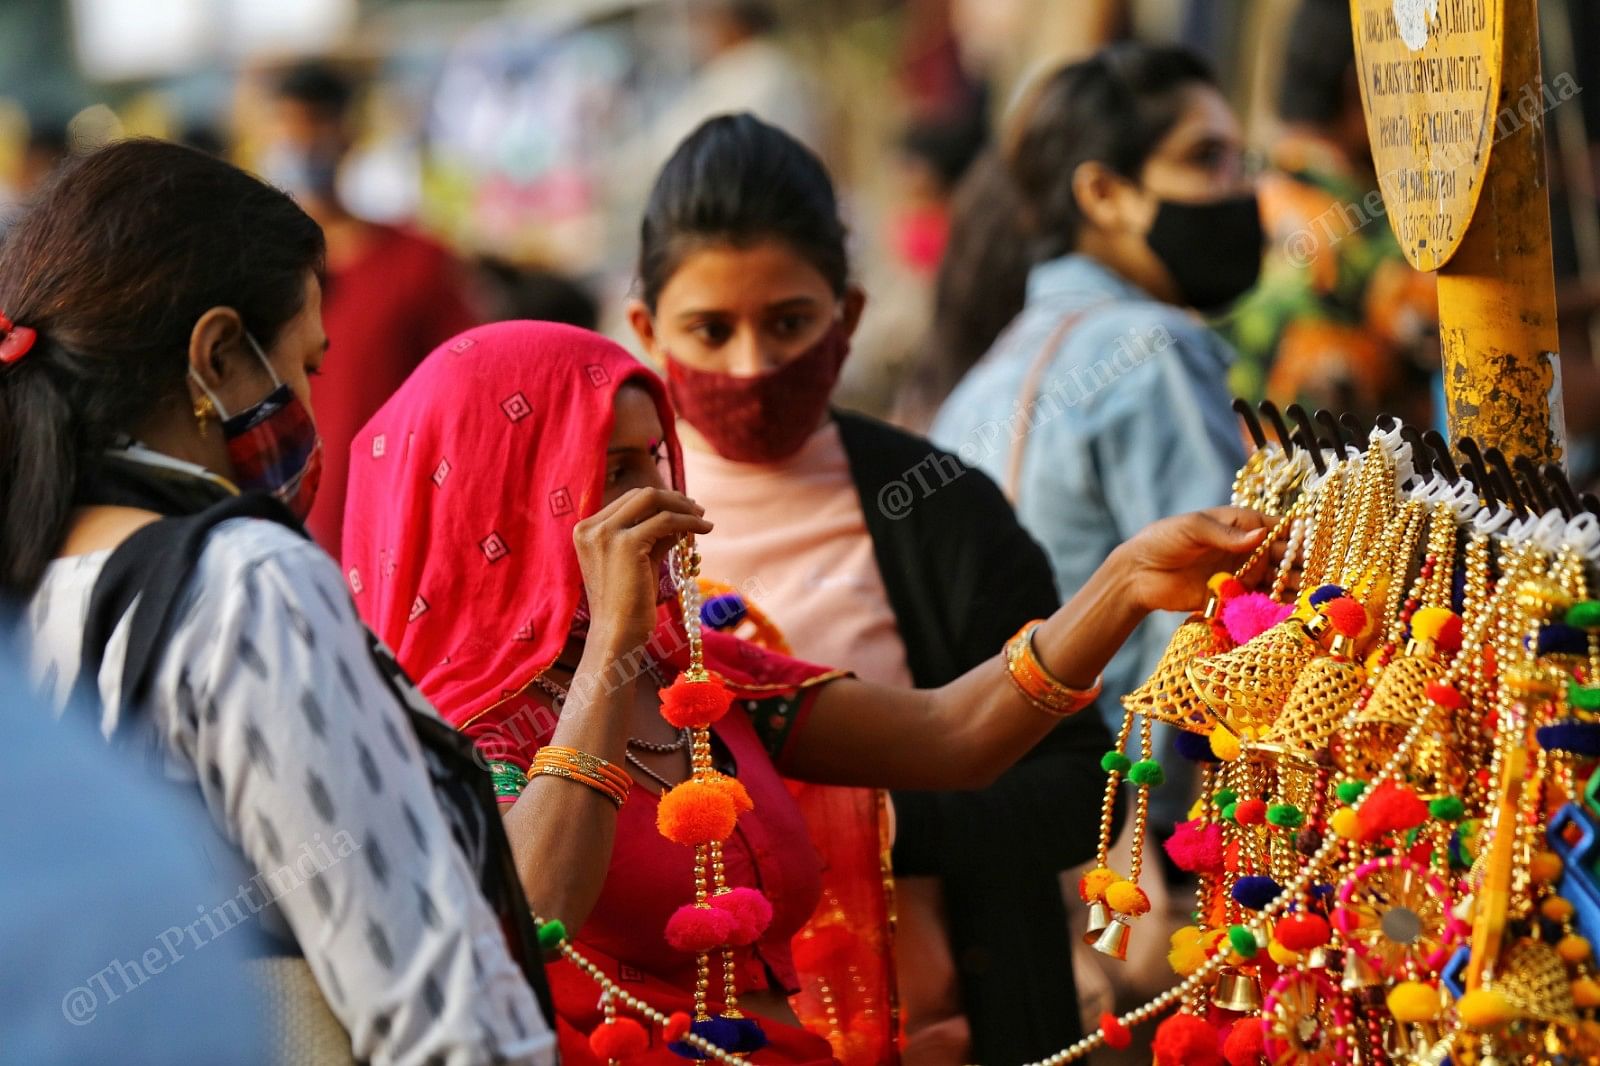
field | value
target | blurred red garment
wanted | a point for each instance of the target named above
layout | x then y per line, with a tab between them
397	297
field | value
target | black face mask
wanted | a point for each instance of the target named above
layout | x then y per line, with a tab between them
1211	249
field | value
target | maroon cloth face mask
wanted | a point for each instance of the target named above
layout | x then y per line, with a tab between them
761	418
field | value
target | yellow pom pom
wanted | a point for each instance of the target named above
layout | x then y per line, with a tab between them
1282	955
1186	959
1413	1002
1214	583
1224	745
1585	993
1092	885
1345	823
1125	897
1184	936
1545	867
1197	810
1485	1008
1573	949
1426	623
1556	909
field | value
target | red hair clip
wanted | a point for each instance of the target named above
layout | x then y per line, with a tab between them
15	341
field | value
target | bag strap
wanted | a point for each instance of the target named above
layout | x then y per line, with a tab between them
148	573
1030	392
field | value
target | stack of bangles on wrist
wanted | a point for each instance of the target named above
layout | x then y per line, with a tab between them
610	781
1037	685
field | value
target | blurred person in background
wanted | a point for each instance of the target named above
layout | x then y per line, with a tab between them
48	145
740	67
509	291
746	301
94	898
1105	406
1339	319
391	294
980	286
159	327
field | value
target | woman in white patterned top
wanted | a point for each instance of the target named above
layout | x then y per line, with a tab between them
159	318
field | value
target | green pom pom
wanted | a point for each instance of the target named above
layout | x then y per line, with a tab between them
1583	697
552	935
1230	810
1224	797
1147	772
1350	791
1243	942
1285	815
1585	614
1447	809
1114	762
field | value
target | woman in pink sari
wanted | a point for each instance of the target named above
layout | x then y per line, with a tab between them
510	512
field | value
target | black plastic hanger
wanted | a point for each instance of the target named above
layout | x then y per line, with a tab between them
1535	488
1442	459
1561	489
1252	424
1308	434
1279	428
1502	470
1331	424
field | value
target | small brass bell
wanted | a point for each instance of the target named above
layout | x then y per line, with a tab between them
1358	974
1099	918
1319	958
1236	991
1113	940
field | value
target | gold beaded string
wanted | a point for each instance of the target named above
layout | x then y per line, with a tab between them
1141	812
1108	807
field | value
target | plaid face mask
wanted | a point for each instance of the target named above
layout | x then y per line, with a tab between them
273	444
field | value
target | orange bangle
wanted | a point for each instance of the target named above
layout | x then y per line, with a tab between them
1036	684
572	765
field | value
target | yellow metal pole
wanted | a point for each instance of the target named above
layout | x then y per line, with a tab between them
1497	303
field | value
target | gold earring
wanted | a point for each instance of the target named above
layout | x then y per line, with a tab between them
204	409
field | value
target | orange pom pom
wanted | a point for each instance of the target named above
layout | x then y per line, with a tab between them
696	812
1347	617
734	790
695	704
1092	885
1545	867
619	1038
1125	897
1556	909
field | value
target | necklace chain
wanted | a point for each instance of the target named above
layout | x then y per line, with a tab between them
558	693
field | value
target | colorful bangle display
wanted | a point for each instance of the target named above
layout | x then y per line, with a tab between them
1036	684
573	765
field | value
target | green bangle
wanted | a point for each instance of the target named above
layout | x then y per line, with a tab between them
508	780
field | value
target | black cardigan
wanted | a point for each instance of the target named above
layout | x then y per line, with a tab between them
962	576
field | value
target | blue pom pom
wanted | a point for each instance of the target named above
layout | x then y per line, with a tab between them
723	612
1571	736
1458	592
723	1032
751	1036
1254	893
1324	593
1322	893
1194	747
1558	638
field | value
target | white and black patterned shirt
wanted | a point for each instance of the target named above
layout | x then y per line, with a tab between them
268	699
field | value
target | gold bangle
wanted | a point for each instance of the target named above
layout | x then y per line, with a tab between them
583	762
1036	684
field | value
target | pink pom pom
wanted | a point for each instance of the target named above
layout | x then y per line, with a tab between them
1252	614
693	929
1246	1043
749	911
1196	848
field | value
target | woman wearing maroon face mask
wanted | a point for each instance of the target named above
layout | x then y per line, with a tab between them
874	551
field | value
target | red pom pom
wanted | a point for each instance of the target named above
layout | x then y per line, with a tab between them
1196	848
1389	809
1449	639
749	911
1246	1043
824	944
696	812
1302	932
1116	1035
1250	812
1444	695
1185	1040
693	929
1252	614
1230	588
620	1038
1347	617
695	704
677	1027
